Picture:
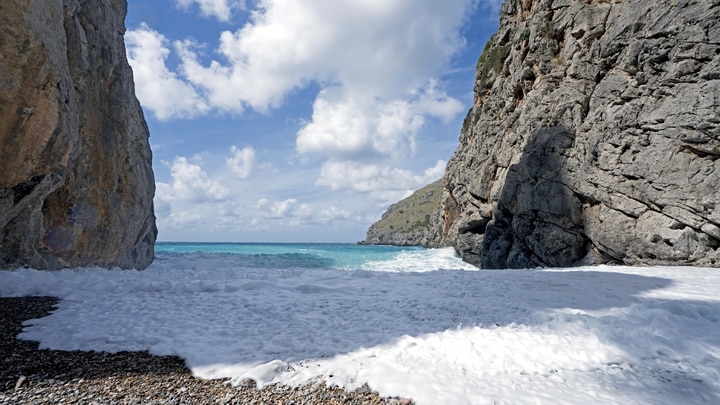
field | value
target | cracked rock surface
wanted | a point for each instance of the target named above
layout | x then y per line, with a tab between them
594	138
76	180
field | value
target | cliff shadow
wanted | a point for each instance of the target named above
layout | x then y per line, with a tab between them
538	219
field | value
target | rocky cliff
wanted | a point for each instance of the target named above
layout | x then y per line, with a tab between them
594	138
76	182
411	222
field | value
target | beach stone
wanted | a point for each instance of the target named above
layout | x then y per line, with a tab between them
20	382
76	181
56	376
594	137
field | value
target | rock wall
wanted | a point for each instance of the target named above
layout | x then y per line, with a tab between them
76	181
594	138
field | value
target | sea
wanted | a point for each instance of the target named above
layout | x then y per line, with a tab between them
327	256
408	322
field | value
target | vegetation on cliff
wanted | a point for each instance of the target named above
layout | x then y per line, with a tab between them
408	222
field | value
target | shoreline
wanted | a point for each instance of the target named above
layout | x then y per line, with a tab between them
33	375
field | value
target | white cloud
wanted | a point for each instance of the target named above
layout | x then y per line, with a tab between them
282	208
384	184
437	103
352	126
436	172
157	88
384	49
375	61
362	177
189	183
295	214
220	9
333	213
376	64
242	161
211	202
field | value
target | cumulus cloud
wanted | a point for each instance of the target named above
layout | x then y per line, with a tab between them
296	214
332	213
211	202
383	50
377	60
220	9
383	183
437	171
282	208
363	177
242	161
359	126
160	90
376	63
189	183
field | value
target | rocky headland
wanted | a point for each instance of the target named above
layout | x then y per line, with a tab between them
594	138
76	181
408	222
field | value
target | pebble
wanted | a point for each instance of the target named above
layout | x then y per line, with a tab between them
20	382
32	376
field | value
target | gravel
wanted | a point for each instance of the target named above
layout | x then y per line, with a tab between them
29	375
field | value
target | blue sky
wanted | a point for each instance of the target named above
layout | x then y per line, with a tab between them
299	120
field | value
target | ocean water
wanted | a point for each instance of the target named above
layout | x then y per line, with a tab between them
330	256
409	322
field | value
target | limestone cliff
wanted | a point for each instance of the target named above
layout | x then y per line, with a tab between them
594	138
409	222
76	181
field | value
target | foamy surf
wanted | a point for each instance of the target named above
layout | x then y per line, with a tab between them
600	335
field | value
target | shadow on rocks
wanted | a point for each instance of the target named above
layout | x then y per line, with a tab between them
538	220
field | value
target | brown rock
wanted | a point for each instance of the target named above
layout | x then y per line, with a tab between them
76	181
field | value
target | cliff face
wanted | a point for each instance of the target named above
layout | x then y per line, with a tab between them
76	182
411	222
594	138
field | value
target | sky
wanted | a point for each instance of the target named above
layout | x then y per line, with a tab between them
302	120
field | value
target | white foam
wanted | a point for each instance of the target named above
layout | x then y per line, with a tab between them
589	335
421	260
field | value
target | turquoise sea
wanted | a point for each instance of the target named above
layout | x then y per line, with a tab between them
338	256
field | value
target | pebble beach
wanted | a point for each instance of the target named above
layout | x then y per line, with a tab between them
29	375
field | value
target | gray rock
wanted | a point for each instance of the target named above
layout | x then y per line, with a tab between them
76	181
594	138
